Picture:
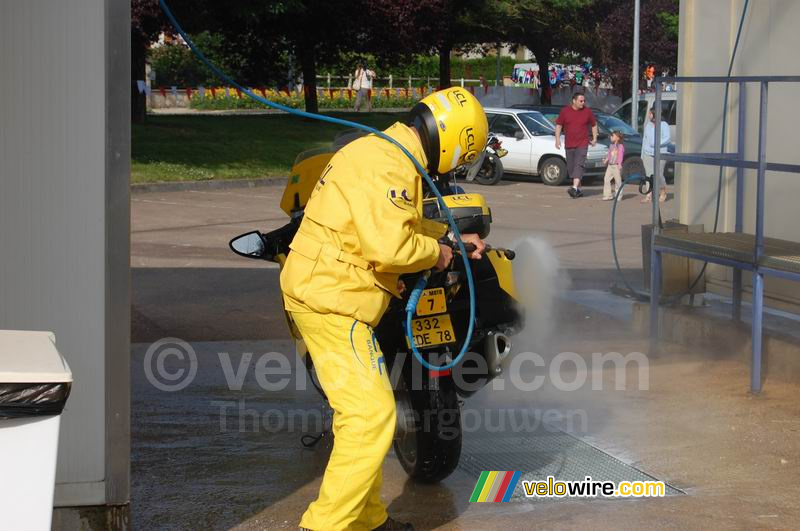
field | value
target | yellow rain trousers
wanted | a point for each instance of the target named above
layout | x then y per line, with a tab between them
362	229
353	374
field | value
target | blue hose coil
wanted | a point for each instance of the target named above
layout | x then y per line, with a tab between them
338	121
416	293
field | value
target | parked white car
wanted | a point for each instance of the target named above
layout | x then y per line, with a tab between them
530	140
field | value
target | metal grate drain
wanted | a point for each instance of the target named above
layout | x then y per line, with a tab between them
544	452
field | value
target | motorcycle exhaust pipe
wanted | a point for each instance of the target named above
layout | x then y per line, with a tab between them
497	346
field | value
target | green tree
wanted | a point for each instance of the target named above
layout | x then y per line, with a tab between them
399	29
269	33
545	27
658	38
146	24
175	64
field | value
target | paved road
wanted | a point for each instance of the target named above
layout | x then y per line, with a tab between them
687	419
182	266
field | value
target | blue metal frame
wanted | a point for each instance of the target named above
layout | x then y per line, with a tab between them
739	227
706	258
731	160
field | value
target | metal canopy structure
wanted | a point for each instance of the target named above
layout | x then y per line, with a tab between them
739	250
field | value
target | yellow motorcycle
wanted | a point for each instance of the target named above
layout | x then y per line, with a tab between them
428	434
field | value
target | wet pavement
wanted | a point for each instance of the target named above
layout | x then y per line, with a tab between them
225	451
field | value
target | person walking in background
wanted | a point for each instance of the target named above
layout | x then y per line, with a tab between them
649	76
648	153
362	84
575	120
616	154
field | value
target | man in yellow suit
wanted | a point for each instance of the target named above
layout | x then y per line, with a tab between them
361	230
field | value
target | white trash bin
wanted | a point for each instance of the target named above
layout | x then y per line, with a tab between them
35	382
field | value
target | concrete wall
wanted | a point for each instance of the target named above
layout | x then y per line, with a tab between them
64	219
769	43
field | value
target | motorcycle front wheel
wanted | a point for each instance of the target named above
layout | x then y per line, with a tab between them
491	172
428	443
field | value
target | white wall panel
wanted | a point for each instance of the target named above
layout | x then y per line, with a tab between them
55	217
768	46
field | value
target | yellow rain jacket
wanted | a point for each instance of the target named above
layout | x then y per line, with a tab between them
362	229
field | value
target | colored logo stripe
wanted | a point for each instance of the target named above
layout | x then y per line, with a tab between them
511	486
488	485
495	486
478	487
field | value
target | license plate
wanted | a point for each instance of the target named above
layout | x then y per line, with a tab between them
436	330
432	302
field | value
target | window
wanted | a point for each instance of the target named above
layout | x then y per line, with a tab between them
536	123
673	113
503	125
552	116
668	111
642	114
613	123
624	113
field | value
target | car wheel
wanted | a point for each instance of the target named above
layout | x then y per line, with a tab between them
553	171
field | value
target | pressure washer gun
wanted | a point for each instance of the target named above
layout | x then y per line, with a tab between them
469	247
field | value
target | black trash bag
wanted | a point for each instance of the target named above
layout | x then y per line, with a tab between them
19	400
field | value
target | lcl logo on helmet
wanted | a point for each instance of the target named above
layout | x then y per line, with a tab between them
458	97
467	139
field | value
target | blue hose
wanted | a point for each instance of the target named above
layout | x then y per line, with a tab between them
636	293
338	121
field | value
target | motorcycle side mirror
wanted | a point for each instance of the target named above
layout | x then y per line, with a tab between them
519	135
249	245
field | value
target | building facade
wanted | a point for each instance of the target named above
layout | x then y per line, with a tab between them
768	46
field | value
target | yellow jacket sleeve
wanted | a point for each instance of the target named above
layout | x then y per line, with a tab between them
387	218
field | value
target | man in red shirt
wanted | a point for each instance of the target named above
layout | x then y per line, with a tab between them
575	120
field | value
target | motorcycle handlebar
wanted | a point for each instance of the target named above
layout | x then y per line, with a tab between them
469	247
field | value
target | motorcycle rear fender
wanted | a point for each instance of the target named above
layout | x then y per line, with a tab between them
505	272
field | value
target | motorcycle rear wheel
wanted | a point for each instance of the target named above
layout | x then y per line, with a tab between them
430	450
491	172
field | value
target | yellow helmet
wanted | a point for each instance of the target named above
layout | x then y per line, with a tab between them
452	127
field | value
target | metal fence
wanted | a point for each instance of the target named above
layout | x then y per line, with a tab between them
739	250
343	82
